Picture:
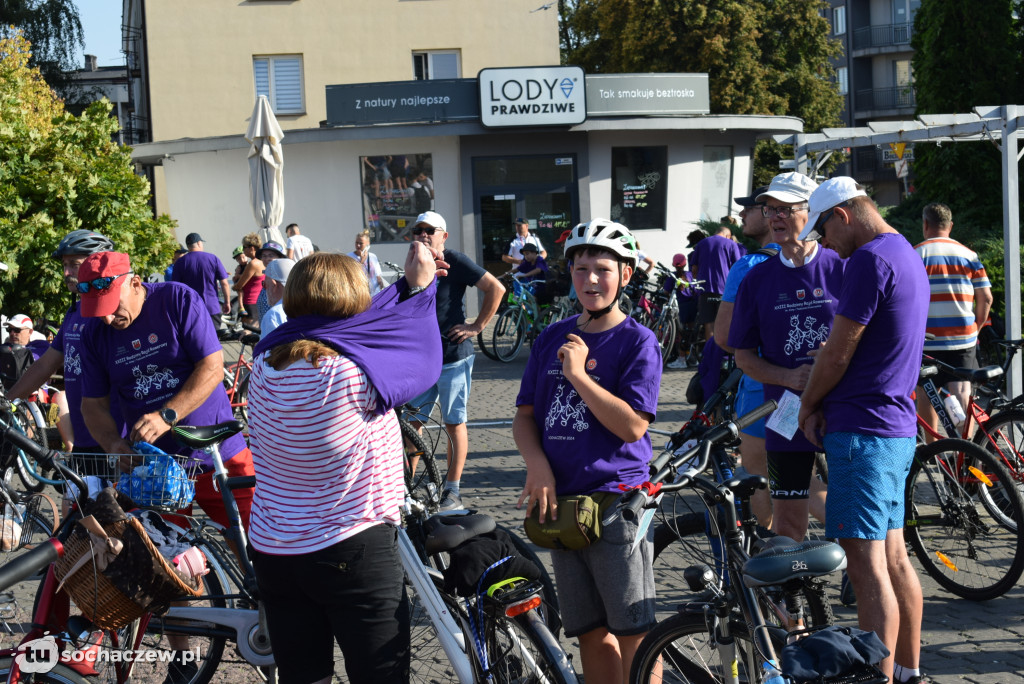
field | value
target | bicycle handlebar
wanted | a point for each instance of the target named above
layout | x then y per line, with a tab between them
30	563
46	457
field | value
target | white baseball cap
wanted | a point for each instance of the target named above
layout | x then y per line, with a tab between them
20	321
789	187
279	269
831	193
432	219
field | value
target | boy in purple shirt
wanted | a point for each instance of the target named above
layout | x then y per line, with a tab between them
589	391
711	259
858	403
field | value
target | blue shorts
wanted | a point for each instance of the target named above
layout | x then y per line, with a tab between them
867	478
453	389
749	396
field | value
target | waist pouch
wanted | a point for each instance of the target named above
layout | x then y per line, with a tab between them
578	525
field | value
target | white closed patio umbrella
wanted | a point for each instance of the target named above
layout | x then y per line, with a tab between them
266	170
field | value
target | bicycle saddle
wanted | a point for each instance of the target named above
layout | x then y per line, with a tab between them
250	339
743	487
205	435
445	532
784	559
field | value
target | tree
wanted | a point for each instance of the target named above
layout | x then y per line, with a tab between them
59	173
761	56
55	32
965	54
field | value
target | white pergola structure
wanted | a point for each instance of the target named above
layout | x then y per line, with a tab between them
999	125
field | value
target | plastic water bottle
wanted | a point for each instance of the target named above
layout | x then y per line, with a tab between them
771	674
953	408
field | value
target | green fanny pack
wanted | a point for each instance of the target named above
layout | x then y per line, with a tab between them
578	525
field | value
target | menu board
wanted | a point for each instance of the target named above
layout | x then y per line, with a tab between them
639	179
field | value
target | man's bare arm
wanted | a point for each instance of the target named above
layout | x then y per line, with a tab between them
201	383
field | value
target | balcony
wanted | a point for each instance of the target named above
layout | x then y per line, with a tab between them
883	36
885	101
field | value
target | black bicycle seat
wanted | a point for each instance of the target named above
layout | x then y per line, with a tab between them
445	532
205	435
746	486
250	339
784	559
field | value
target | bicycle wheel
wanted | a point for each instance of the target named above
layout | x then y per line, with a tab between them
422	478
1002	435
963	513
509	334
60	674
684	541
485	346
548	593
241	398
681	649
665	331
23	463
522	649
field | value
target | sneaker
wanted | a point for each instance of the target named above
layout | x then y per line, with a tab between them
916	679
450	501
179	672
846	595
677	364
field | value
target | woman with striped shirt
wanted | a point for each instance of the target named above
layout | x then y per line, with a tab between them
328	456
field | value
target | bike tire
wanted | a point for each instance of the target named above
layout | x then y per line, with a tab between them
682	646
1002	435
485	346
684	541
23	463
512	644
425	483
509	335
665	332
60	674
551	610
954	533
241	397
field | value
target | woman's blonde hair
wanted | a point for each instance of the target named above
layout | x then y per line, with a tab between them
322	284
251	240
364	234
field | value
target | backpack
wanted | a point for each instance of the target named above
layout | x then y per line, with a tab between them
14	361
420	198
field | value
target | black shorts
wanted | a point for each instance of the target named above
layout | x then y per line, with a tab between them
707	307
789	474
958	358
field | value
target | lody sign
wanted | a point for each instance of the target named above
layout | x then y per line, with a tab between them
532	96
647	94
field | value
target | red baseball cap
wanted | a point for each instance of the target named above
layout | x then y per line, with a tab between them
101	275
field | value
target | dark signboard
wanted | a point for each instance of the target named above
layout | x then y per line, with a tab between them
403	102
638	186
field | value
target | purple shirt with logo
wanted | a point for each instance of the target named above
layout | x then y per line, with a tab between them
715	255
584	455
68	342
149	362
202	272
786	312
886	289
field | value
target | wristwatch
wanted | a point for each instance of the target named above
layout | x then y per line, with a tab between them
169	416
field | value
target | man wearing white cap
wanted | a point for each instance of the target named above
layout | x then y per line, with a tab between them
457	344
276	278
858	404
783	312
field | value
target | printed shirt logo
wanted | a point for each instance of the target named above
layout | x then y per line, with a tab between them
806	337
72	361
152	338
571	410
591	364
800	294
136	344
818	292
154	378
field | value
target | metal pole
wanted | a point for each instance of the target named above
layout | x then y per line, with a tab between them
1011	236
800	152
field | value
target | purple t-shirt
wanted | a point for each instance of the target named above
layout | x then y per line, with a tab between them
786	312
886	289
714	255
68	342
584	455
202	272
149	362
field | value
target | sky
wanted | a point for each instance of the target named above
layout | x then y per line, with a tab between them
101	23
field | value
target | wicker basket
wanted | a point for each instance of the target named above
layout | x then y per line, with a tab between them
97	596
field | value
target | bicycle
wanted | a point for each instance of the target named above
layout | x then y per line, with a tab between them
236	378
522	321
726	637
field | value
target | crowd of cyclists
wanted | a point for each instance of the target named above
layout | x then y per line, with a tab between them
824	318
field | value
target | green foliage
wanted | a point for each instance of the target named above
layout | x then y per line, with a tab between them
761	56
59	173
55	32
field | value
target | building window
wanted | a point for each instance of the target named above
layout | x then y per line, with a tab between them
280	79
838	21
427	66
843	80
715	198
639	184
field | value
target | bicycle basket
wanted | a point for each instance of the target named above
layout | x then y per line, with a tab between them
135	581
159	481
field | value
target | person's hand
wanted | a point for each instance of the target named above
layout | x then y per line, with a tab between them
422	263
573	355
149	428
225	308
463	331
812	422
539	491
798	377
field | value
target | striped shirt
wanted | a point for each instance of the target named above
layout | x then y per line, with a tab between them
327	467
954	273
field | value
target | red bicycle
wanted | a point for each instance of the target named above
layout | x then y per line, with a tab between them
236	378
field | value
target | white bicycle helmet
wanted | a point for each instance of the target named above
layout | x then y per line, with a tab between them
600	232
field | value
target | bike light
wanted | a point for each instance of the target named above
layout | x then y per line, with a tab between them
980	475
522	607
947	562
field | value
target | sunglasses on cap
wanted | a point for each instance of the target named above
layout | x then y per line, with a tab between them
100	284
429	230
